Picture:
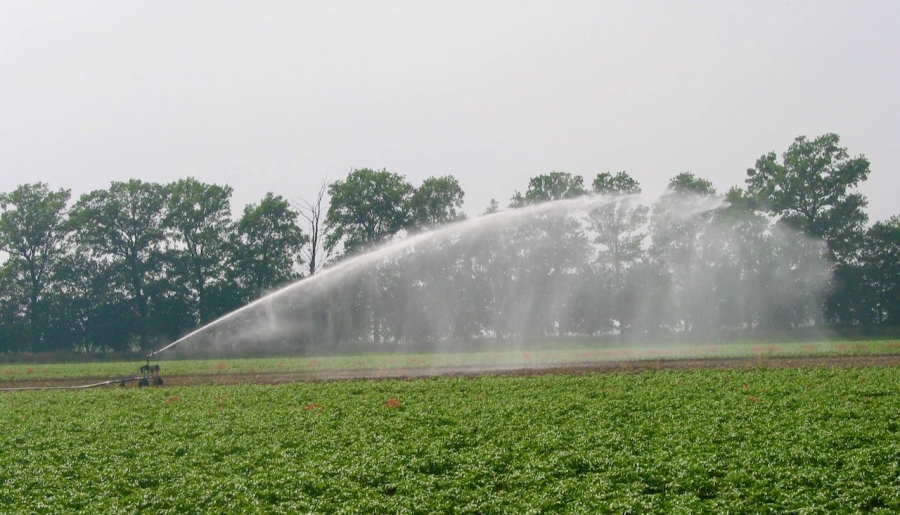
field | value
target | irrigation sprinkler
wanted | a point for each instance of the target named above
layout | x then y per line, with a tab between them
150	376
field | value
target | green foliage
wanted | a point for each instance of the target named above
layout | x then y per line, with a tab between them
150	262
550	186
267	242
675	245
436	202
811	189
740	202
881	262
687	183
619	184
12	310
33	232
123	229
199	222
812	441
368	207
618	225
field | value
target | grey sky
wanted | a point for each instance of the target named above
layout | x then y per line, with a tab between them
274	96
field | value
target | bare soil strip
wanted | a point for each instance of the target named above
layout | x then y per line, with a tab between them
408	373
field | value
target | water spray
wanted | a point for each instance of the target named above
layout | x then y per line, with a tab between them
150	374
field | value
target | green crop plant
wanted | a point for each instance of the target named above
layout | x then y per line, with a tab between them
821	440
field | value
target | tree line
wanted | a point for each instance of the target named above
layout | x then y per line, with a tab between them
139	264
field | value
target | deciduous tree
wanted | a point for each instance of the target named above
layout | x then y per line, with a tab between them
812	189
881	271
617	225
317	253
550	186
368	207
437	202
267	243
33	231
124	225
199	225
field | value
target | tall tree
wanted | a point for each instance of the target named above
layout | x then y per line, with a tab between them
811	189
619	184
317	253
13	314
199	223
368	207
124	224
687	183
436	202
677	221
267	243
618	227
33	231
673	225
745	239
89	308
881	271
550	186
551	250
618	222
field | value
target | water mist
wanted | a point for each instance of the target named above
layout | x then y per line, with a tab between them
595	267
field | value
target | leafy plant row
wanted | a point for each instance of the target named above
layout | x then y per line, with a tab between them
811	441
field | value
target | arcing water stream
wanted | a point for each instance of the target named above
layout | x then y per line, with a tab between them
587	266
396	248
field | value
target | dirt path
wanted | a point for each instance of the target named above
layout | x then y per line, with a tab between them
478	371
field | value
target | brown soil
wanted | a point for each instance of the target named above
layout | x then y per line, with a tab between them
475	371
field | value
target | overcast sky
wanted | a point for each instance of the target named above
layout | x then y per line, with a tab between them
275	96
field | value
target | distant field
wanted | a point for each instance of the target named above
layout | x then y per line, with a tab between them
820	440
560	354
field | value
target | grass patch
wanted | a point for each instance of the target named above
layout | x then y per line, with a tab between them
576	353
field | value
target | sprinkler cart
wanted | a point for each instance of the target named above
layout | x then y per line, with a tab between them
150	374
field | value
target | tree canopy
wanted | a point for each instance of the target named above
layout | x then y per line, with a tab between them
619	184
367	207
688	183
550	186
437	201
33	231
125	225
137	263
267	243
812	189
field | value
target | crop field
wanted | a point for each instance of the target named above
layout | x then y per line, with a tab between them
817	440
574	353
